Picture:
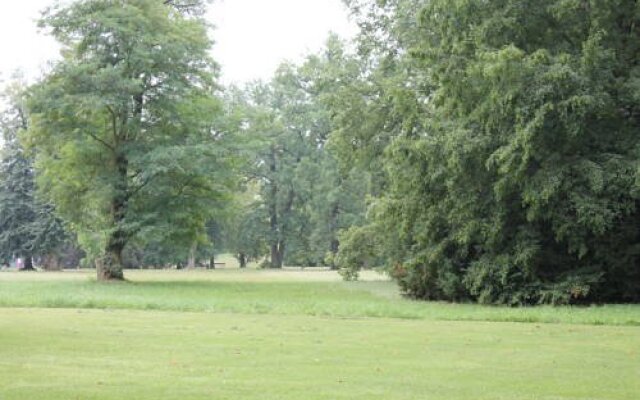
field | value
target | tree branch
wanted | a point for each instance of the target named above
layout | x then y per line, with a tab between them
140	187
107	145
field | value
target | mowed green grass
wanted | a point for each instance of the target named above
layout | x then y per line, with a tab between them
298	335
291	292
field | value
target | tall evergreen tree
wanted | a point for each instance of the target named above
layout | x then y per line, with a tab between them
28	226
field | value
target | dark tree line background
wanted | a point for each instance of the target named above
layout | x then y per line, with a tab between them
476	151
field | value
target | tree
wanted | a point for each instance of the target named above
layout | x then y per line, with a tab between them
28	226
304	198
307	200
380	98
337	199
125	125
279	148
517	182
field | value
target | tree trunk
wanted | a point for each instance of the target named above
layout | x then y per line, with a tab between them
277	250
335	247
212	262
28	263
335	243
51	262
274	256
109	267
192	256
242	259
277	254
276	261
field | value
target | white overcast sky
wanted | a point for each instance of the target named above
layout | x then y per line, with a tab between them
252	36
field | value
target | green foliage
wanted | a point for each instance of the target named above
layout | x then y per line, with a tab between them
492	146
244	232
125	126
359	247
304	197
28	226
512	177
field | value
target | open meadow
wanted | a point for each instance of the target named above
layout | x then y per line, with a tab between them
485	154
292	334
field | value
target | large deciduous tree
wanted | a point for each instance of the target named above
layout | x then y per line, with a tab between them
125	125
305	196
280	148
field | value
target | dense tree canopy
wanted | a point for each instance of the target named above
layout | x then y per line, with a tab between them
125	125
305	198
517	180
476	150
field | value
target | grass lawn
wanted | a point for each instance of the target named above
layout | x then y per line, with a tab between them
291	292
298	335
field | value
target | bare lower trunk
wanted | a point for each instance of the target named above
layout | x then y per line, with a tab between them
335	246
191	263
277	255
109	267
212	262
274	256
51	262
335	243
242	259
28	263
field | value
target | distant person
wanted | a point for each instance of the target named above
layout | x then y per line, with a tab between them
19	263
